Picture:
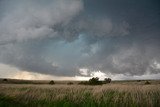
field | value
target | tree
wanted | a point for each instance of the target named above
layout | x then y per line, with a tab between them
5	80
51	82
147	82
107	80
95	81
70	83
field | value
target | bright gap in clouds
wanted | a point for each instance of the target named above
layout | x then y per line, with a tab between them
14	73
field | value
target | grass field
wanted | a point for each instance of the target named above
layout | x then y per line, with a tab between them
115	94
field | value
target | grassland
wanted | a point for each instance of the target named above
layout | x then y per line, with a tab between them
115	94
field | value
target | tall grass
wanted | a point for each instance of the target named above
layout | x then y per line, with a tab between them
109	95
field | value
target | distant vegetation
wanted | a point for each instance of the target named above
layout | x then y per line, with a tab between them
107	80
147	82
70	83
5	80
96	81
138	80
51	82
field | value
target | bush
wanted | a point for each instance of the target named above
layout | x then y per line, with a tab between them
69	83
51	82
84	83
5	80
138	80
147	82
107	80
95	81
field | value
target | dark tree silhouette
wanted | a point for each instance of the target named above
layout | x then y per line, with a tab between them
51	82
147	82
107	80
5	80
95	81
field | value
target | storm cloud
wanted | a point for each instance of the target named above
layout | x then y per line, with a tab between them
62	37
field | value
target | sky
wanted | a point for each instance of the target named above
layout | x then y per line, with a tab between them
80	39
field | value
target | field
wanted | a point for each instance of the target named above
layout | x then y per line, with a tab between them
115	94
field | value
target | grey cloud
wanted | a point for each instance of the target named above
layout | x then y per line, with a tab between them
23	58
32	20
58	19
26	24
124	58
59	37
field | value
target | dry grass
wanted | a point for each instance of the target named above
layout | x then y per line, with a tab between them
79	95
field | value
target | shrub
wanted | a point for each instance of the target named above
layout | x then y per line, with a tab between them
147	82
51	82
138	80
95	81
92	81
70	83
5	80
107	80
84	83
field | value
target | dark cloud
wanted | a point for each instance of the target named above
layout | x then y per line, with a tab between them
61	37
